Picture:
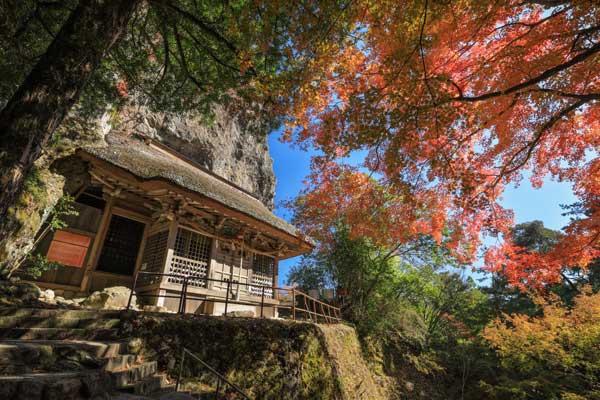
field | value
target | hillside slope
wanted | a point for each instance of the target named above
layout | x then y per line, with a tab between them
355	378
268	359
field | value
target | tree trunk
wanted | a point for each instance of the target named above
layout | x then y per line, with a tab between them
47	94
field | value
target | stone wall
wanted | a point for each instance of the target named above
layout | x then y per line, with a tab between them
268	359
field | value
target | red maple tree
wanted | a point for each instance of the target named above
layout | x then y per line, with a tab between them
453	102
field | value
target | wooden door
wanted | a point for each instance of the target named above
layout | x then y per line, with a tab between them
121	246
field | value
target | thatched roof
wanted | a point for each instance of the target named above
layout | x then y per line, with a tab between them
148	161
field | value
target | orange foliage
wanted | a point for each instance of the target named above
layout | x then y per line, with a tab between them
454	101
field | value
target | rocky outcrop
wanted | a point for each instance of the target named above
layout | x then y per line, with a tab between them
111	298
55	174
14	292
232	144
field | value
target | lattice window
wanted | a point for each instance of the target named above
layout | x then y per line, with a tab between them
191	257
263	269
154	256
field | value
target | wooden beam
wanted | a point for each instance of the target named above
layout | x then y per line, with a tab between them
275	279
170	249
140	255
161	184
97	245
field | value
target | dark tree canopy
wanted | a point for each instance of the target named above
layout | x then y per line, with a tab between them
165	55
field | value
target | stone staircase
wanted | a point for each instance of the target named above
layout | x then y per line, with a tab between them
58	354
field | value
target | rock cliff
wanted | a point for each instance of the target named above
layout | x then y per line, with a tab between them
233	144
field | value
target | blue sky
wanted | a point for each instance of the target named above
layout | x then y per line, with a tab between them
291	166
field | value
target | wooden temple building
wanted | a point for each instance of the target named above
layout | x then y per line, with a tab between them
148	208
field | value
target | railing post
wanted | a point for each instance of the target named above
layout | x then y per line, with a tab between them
180	370
315	310
185	295
262	301
218	388
294	304
323	312
307	311
182	296
227	296
132	290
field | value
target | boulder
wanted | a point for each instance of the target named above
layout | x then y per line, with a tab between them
112	298
14	291
47	294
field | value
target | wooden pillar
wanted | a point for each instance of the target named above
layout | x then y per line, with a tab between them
98	242
140	254
212	261
170	247
275	279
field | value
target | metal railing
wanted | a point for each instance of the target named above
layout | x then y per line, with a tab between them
220	378
288	302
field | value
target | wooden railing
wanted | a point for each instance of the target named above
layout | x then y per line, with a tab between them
288	302
314	309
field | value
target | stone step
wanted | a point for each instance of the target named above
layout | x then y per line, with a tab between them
127	376
56	386
17	357
58	312
103	349
121	362
58	321
148	386
58	333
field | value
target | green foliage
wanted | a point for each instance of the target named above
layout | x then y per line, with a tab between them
423	322
34	188
181	55
36	264
413	311
64	207
534	236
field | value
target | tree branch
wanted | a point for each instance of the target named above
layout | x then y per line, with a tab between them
540	78
184	60
529	148
202	25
